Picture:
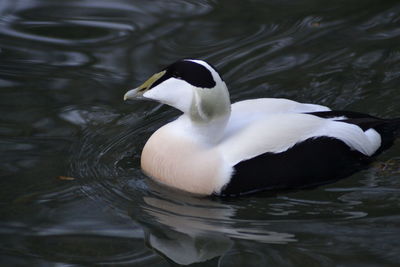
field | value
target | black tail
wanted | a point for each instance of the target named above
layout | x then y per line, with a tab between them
396	125
389	130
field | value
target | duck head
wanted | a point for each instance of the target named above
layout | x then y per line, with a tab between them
192	86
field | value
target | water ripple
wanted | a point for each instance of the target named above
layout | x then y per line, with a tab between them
65	32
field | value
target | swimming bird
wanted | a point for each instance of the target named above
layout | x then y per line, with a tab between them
219	148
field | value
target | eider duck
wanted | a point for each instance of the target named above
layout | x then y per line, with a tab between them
219	148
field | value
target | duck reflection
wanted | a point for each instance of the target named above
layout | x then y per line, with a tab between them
191	230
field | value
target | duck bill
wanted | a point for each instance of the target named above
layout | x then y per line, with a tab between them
138	92
132	94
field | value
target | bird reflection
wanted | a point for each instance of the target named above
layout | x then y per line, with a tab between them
194	230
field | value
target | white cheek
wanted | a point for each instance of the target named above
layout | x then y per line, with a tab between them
174	92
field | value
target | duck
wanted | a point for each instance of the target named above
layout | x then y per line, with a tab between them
216	148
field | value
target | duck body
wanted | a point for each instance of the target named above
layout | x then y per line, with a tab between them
252	145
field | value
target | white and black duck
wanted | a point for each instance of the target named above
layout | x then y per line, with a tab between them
220	148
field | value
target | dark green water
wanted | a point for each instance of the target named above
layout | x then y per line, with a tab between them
64	67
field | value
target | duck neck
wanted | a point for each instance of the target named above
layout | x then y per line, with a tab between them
208	114
208	132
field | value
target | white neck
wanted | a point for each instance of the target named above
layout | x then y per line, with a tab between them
208	133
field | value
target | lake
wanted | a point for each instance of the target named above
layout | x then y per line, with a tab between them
71	189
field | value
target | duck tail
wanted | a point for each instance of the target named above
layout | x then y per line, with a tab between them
396	126
389	131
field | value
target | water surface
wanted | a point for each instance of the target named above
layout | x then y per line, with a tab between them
71	189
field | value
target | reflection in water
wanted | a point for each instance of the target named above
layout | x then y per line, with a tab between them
64	67
196	230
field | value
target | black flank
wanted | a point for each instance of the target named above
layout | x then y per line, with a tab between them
313	162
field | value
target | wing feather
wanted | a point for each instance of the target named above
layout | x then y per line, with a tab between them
278	132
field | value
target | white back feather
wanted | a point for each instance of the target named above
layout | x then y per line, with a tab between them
278	132
246	112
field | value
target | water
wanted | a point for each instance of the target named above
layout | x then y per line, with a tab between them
71	189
